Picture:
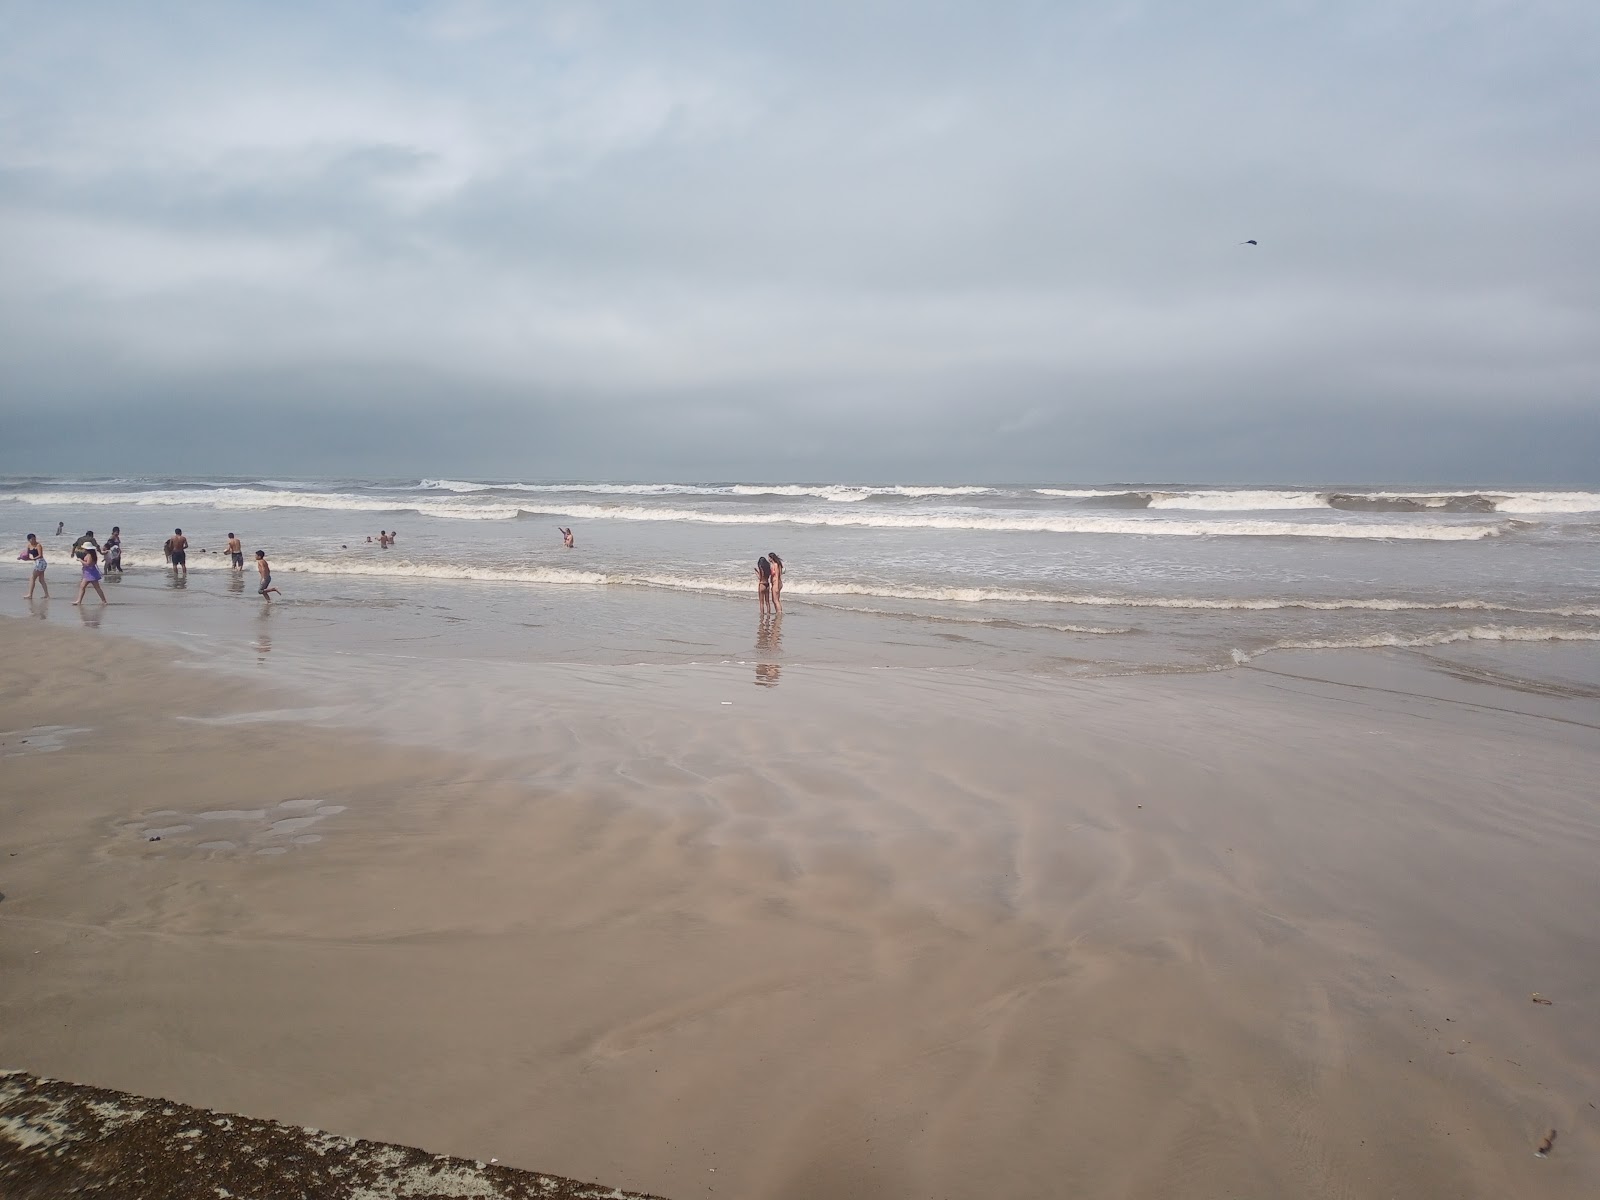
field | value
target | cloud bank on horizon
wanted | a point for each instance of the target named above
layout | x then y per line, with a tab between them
977	241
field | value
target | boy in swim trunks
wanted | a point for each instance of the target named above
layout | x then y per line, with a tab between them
237	551
180	551
264	569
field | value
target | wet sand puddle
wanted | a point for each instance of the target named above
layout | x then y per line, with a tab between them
40	739
263	831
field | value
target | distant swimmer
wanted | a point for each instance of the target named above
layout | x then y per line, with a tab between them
566	536
1249	242
264	569
180	551
61	527
236	552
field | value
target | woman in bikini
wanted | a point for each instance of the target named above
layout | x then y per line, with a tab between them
34	554
763	582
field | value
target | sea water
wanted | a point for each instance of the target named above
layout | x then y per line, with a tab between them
1059	578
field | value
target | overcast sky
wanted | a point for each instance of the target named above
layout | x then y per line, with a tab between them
993	241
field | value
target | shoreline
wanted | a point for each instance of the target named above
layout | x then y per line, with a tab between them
875	934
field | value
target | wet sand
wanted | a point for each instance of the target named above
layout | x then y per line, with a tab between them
1262	933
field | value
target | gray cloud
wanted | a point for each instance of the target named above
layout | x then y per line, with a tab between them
985	242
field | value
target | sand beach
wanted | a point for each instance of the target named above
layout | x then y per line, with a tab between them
1255	933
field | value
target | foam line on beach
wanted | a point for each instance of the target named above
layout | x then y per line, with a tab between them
392	567
1443	637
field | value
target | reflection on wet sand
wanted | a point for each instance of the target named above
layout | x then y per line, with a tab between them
263	643
769	642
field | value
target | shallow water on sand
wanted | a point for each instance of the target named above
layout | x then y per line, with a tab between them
1048	579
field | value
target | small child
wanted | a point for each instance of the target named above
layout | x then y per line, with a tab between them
264	568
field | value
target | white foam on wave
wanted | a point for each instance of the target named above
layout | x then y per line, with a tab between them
1031	523
602	489
392	567
839	492
1280	499
238	499
1548	502
1443	637
1231	500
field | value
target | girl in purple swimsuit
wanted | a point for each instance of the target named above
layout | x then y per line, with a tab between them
91	576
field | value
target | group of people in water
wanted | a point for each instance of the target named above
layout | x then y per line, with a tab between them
89	552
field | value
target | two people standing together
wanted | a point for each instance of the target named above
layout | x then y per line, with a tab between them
769	581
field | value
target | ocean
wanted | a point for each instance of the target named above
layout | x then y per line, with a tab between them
1054	579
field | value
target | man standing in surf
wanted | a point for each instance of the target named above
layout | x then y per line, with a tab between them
180	552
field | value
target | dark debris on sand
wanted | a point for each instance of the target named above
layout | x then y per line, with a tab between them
65	1139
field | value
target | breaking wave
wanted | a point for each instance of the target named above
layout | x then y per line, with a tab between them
1350	500
1444	637
1030	523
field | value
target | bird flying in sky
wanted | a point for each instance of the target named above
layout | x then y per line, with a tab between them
1249	242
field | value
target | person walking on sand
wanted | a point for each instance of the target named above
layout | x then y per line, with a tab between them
180	551
34	555
566	536
777	579
264	569
764	582
91	577
236	552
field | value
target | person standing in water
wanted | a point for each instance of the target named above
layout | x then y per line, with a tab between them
61	527
34	554
180	551
91	576
264	569
566	536
764	582
86	542
236	552
113	549
777	580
